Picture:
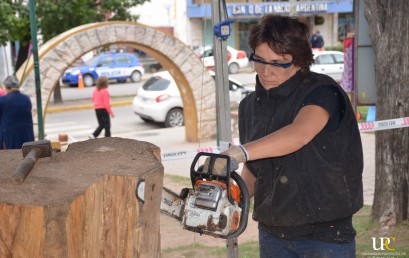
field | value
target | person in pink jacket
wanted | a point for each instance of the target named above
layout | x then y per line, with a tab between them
102	106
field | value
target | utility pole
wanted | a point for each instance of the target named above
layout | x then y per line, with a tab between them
33	29
224	135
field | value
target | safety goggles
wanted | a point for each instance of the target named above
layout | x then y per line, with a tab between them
259	61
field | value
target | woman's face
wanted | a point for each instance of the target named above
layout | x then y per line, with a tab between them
271	76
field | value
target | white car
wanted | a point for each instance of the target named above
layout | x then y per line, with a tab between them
330	63
236	59
158	99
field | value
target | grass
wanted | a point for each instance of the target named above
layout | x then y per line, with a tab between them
367	229
364	225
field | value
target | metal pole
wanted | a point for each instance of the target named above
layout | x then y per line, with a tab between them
33	29
222	100
222	81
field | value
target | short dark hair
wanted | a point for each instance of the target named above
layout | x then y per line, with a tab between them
285	35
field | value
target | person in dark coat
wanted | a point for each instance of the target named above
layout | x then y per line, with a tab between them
16	121
316	40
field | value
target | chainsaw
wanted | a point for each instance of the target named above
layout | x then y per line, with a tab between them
217	205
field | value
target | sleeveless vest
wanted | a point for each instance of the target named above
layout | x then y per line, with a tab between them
320	182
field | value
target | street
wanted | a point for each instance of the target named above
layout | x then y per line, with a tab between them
79	124
130	88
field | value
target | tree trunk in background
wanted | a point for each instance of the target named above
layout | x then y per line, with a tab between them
388	24
23	52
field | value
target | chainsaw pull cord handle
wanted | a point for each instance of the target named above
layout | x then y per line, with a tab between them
244	205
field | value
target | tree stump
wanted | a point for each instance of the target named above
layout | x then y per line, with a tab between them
82	203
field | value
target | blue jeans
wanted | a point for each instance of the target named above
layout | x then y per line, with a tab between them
274	247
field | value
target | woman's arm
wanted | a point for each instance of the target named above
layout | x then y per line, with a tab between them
310	120
249	179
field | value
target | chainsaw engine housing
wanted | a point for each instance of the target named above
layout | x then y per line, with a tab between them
208	211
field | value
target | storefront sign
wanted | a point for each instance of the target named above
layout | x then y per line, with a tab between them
261	9
195	10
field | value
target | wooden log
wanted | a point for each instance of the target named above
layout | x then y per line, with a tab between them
82	203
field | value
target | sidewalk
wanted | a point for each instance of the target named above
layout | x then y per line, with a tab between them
81	104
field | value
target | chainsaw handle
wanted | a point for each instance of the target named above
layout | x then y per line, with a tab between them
244	205
199	174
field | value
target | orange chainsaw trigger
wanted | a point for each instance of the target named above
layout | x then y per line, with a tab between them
235	190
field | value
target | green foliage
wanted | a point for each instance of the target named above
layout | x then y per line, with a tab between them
57	16
14	21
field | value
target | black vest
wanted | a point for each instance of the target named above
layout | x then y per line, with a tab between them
320	182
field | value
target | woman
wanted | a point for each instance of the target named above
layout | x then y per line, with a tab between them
102	106
301	148
16	121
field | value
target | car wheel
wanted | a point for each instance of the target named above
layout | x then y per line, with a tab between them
233	68
136	76
174	118
88	80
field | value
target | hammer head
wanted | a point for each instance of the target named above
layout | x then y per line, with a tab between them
43	147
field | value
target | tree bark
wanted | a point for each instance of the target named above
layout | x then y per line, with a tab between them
23	53
81	203
388	24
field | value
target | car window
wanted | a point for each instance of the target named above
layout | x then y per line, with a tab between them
156	83
106	61
123	60
92	61
207	53
324	59
339	59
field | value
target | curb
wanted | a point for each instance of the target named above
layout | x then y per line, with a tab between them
85	106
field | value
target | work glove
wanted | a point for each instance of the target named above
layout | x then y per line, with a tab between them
237	154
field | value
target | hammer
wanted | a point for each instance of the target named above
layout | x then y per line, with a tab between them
32	151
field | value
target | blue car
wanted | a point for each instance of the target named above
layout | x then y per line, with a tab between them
115	66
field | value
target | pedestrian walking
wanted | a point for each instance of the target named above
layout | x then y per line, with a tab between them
302	150
16	120
102	106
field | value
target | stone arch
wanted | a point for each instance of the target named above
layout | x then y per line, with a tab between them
196	86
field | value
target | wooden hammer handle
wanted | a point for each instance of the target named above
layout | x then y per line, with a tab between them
25	167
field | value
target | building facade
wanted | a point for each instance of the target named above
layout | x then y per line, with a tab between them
6	62
334	19
191	21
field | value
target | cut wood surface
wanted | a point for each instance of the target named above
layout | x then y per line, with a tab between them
81	203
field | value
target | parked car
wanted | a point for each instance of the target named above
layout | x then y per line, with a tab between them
116	66
330	63
236	59
158	99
